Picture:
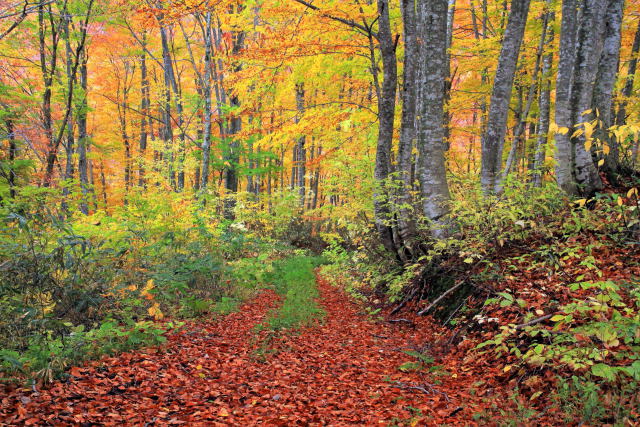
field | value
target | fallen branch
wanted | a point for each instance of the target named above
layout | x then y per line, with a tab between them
536	321
405	301
426	388
440	298
402	321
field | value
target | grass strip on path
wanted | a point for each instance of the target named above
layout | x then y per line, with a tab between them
295	280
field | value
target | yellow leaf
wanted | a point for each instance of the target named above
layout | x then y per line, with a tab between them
223	412
535	395
632	192
155	311
581	202
620	201
601	162
148	287
507	368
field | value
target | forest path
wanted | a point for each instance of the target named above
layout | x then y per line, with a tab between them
341	371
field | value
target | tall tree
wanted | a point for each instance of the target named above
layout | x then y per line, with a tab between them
580	49
544	105
430	117
301	151
494	135
605	83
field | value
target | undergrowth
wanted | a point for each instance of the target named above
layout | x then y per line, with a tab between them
75	287
549	293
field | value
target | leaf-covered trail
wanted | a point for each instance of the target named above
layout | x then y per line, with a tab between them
343	371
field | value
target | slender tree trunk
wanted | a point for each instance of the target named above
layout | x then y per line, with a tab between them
11	175
430	116
145	109
406	224
544	105
300	147
167	65
83	138
316	182
103	181
122	113
605	82
448	81
235	126
69	147
585	177
55	141
621	115
531	95
386	114
564	83
206	94
493	138
48	64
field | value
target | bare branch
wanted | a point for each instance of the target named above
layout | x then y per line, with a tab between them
348	22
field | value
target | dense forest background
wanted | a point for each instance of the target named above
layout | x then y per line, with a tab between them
475	161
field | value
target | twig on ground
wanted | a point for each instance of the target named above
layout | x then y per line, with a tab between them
426	388
440	298
536	321
411	323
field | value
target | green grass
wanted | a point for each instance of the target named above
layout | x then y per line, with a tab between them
294	279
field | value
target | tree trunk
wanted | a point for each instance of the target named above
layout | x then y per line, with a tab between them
406	224
145	109
300	147
386	114
621	115
69	146
531	95
235	126
588	51
206	94
11	175
430	116
564	82
544	105
448	81
493	138
605	82
83	138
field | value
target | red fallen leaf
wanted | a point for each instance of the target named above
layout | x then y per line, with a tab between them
334	373
76	372
21	411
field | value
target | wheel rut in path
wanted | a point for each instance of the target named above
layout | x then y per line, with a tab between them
341	371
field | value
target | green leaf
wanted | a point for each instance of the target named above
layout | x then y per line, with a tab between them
604	371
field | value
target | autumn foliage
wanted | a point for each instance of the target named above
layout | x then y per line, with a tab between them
319	212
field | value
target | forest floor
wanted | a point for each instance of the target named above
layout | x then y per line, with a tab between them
345	369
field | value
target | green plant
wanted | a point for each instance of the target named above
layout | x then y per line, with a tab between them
295	280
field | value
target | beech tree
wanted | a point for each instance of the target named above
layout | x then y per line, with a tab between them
494	135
